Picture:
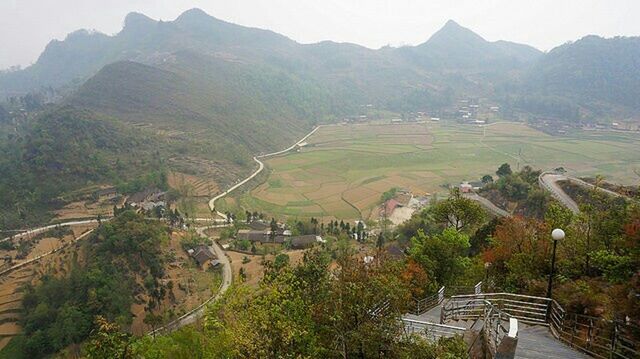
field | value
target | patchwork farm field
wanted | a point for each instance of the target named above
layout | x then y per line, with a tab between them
344	169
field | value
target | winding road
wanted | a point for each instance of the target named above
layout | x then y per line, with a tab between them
227	275
257	158
52	226
549	181
487	204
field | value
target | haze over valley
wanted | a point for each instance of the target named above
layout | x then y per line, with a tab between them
194	185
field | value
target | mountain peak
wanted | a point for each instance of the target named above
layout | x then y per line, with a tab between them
136	20
194	15
452	31
451	24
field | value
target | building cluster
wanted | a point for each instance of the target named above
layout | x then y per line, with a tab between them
281	236
148	199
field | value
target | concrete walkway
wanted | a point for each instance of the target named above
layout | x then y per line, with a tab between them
537	342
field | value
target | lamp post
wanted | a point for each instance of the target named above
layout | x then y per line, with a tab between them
557	235
487	265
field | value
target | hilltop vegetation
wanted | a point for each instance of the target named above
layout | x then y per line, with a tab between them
310	310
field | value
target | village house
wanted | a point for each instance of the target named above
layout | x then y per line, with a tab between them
466	187
390	206
304	242
149	195
202	254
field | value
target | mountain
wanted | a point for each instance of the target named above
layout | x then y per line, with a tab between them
457	48
352	70
592	69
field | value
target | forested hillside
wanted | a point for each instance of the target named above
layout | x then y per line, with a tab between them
591	69
64	149
400	79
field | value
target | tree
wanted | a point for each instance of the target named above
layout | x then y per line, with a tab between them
153	320
442	256
457	211
360	231
520	253
281	261
107	342
504	170
487	179
380	241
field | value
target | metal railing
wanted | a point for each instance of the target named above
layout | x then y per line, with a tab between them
421	306
527	309
494	328
597	337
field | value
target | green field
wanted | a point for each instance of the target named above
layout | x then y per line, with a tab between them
344	169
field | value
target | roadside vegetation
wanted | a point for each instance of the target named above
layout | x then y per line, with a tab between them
306	311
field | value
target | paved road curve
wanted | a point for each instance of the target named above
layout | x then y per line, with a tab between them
549	181
257	158
52	226
487	204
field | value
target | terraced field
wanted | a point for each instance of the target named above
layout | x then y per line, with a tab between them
343	170
12	283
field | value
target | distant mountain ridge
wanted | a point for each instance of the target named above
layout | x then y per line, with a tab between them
145	40
453	63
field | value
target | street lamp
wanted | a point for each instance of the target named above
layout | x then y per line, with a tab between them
557	235
487	265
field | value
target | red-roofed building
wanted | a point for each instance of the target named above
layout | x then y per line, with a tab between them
391	205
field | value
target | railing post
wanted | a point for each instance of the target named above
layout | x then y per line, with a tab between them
589	333
614	339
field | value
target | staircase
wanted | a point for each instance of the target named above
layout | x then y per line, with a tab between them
537	342
520	326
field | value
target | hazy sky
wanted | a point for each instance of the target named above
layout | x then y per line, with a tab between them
26	26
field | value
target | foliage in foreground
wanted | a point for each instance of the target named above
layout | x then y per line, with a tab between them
306	311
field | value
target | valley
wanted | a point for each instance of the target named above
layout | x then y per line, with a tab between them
196	188
343	170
